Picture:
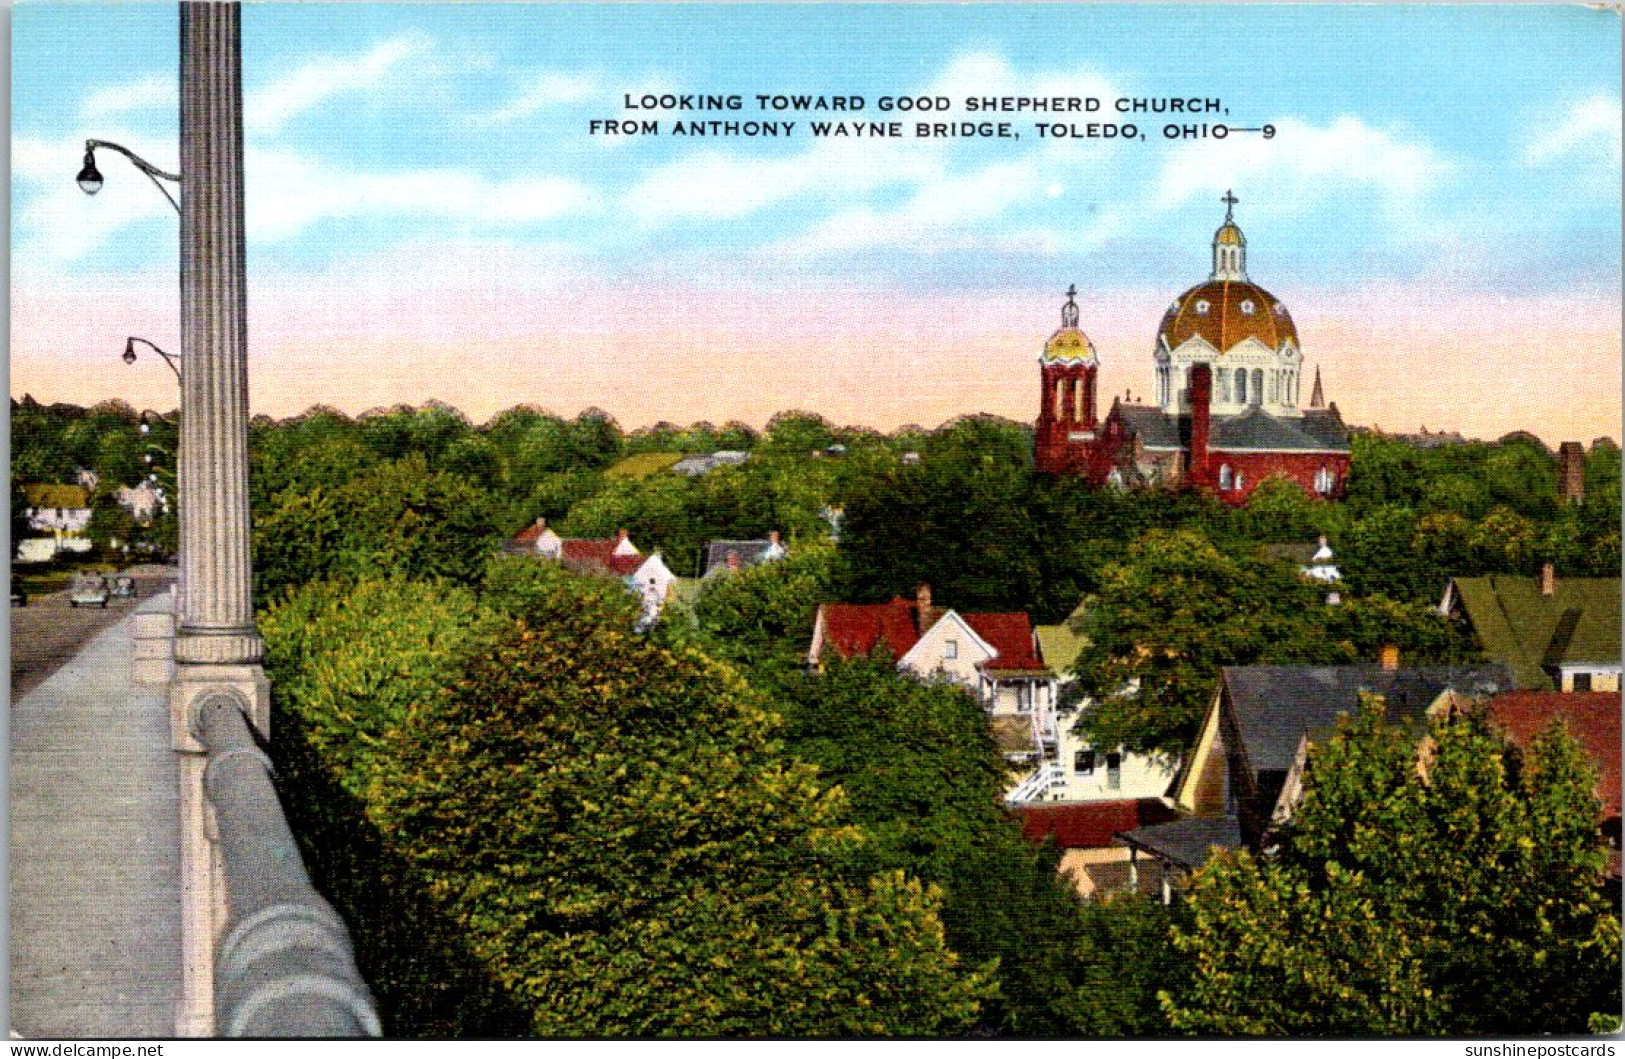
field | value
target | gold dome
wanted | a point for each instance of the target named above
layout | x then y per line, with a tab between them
1067	345
1226	313
1229	235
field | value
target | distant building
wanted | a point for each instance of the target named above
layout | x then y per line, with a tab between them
1228	412
616	556
724	556
62	514
1592	718
1557	634
694	466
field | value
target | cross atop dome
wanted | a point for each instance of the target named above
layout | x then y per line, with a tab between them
1229	245
1069	311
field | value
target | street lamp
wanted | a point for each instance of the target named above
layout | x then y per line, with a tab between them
169	358
90	178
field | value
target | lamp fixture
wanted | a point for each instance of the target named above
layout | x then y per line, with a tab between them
90	178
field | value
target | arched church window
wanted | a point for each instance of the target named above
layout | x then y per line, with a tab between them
1226	478
1258	386
1224	386
1241	385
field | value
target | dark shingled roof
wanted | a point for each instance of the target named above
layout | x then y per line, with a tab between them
1189	842
1578	622
1315	430
1276	706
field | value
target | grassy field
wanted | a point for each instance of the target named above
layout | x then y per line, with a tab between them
642	465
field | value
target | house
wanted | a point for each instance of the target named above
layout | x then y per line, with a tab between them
1245	773
62	512
143	501
995	656
1081	771
616	556
1556	634
724	556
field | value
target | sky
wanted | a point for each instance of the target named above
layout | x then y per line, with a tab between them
432	216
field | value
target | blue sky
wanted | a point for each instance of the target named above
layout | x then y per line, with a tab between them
1469	149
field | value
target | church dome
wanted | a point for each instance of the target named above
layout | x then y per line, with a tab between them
1229	308
1069	345
1225	312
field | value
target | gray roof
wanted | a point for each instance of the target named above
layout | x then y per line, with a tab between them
1188	842
750	553
1276	706
1316	429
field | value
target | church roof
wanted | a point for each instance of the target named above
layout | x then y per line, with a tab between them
1314	431
1225	313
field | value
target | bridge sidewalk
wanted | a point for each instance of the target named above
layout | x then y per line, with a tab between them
95	852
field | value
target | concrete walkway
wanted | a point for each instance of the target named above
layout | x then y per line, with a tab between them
95	852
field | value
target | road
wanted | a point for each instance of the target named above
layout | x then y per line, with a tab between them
48	631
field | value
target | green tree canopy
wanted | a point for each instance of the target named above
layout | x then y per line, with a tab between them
1452	886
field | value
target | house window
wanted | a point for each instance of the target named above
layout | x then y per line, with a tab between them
1582	682
1083	763
1227	480
950	648
1114	771
1324	481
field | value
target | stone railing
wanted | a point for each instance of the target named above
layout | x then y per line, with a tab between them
275	956
285	967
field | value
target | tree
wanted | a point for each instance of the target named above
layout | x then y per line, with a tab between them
1447	886
1162	624
616	829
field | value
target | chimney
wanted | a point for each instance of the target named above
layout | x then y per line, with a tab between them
922	599
772	536
1571	472
1201	392
1388	656
620	536
1548	580
733	560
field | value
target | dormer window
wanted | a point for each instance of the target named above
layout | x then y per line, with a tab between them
1247	307
1280	310
1201	308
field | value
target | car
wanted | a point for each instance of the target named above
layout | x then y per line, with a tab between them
123	587
87	590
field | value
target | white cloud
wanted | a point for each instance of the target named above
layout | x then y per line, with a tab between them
719	185
55	220
268	108
289	192
1305	163
549	89
1589	132
158	91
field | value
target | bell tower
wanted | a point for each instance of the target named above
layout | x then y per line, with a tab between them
1066	415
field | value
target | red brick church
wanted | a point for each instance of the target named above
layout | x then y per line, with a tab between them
1227	415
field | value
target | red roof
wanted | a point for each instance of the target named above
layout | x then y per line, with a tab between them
598	555
1090	825
857	628
531	533
1009	634
1592	718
